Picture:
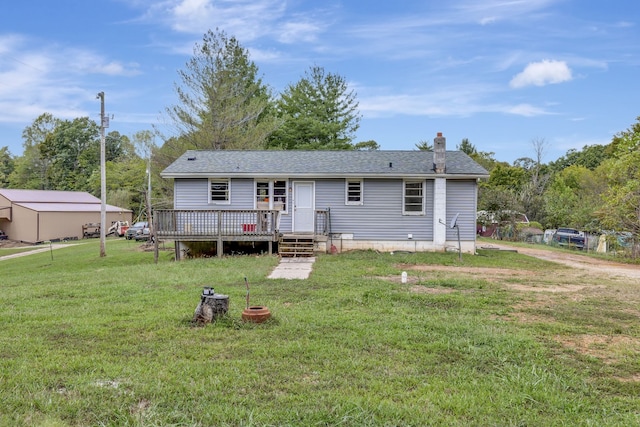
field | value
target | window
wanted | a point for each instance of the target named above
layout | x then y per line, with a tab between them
219	191
353	192
413	199
271	195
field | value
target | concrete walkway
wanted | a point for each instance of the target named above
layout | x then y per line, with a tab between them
36	250
293	268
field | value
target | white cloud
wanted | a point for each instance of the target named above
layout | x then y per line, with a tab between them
36	78
526	110
488	20
294	32
455	101
245	19
260	55
542	73
87	62
490	11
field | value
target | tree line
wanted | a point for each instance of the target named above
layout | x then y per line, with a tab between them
223	103
595	189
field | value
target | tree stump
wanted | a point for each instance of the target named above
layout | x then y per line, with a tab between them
211	307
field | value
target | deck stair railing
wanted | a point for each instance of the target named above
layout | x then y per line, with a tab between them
323	222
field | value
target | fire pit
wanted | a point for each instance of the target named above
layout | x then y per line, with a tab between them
256	314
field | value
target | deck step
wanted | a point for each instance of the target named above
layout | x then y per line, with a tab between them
296	246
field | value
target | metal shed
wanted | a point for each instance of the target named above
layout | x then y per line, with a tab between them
35	216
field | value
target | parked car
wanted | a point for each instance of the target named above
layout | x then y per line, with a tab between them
569	237
3	235
146	232
136	229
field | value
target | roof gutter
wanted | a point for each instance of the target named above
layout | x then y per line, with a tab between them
324	176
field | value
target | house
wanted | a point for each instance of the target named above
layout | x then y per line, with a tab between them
333	200
35	216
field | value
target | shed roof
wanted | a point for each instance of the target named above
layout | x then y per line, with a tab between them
47	196
195	163
56	201
70	207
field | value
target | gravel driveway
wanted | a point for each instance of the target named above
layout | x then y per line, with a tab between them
575	260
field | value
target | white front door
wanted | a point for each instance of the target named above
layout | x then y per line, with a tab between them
303	207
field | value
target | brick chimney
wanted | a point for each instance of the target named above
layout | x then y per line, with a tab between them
439	151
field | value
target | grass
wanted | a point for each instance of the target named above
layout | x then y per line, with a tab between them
109	341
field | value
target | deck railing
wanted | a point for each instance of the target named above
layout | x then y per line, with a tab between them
238	224
184	224
322	222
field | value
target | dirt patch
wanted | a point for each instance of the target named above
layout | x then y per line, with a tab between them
629	379
484	271
609	349
552	289
11	244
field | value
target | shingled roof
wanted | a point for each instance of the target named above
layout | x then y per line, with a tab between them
229	163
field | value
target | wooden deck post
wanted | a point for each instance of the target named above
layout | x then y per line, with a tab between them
155	250
219	245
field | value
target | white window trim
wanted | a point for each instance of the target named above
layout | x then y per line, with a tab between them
270	194
220	202
346	192
404	195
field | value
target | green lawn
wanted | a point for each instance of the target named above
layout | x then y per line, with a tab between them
108	341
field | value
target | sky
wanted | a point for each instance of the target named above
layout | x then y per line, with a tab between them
504	74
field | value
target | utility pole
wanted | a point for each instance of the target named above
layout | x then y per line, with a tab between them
103	180
149	213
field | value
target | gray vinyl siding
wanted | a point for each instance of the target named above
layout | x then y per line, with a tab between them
461	198
380	216
194	194
190	194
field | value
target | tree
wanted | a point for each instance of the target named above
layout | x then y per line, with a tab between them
620	209
30	171
424	146
590	157
73	151
145	143
507	177
370	145
127	176
466	147
125	183
487	160
534	186
222	104
572	197
7	164
319	112
118	147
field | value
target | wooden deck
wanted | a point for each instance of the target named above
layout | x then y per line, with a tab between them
244	225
